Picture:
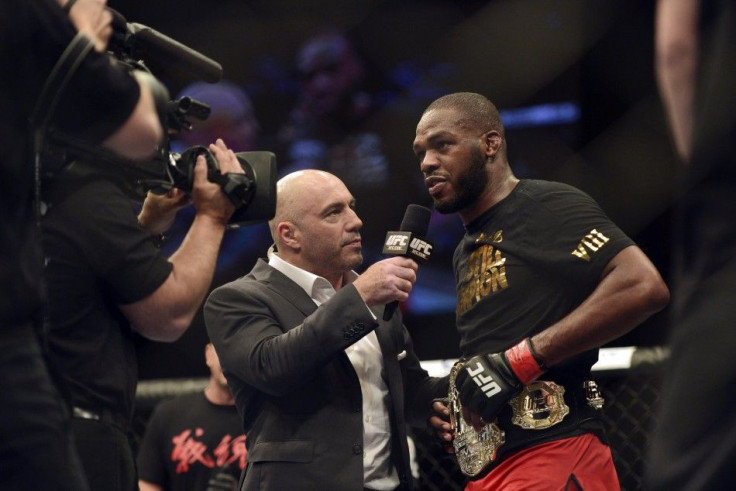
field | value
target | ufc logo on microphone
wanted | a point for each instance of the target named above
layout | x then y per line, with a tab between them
486	383
421	247
394	240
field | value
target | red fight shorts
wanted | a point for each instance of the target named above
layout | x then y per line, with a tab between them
571	464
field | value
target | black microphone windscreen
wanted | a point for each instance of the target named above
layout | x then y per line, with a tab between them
172	56
416	220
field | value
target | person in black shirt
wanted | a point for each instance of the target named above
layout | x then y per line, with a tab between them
107	281
194	441
693	445
35	447
544	278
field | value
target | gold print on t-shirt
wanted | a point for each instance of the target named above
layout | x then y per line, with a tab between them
593	241
486	274
484	239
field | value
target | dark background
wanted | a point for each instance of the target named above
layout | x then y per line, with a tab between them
595	56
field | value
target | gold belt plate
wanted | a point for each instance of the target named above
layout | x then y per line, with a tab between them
540	405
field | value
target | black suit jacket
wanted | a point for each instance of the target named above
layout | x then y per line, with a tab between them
295	387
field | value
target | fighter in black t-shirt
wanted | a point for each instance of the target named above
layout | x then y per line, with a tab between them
522	265
543	280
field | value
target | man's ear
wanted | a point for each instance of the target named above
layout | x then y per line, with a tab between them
493	142
289	234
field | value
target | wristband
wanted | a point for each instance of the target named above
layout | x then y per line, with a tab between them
523	362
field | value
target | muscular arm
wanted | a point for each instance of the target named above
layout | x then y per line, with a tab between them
167	312
676	44
631	289
159	210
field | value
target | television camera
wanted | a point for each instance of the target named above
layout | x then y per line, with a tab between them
141	48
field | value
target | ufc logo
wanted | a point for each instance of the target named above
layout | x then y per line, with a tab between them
421	246
486	383
393	240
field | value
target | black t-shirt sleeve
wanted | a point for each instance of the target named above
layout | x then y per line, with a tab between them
117	248
572	235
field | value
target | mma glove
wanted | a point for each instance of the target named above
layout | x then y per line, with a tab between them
489	381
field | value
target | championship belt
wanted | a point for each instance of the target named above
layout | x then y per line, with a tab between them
474	450
539	405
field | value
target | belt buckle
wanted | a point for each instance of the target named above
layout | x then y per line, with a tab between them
539	406
474	450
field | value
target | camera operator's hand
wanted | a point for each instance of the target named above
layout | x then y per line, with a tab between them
208	197
165	314
91	18
159	210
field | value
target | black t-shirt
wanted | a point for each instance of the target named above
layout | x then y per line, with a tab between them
97	257
527	262
33	36
188	441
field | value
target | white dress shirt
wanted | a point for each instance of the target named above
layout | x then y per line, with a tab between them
367	360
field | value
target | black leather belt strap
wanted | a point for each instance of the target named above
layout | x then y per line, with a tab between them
581	419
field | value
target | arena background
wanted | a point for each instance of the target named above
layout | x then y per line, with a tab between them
574	82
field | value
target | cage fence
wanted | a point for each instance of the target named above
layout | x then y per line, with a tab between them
629	380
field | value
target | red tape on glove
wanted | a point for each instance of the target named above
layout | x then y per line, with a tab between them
523	363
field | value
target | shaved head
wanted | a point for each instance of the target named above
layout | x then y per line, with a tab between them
294	191
315	226
476	111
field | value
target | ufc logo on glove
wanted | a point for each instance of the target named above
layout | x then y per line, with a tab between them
486	383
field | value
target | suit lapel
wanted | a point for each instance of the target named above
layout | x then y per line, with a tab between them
386	334
281	286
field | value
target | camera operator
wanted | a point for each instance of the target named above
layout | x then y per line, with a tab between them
108	280
103	105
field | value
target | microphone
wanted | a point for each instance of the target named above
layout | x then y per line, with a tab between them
409	241
161	53
166	51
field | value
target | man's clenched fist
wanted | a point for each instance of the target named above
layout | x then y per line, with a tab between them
489	381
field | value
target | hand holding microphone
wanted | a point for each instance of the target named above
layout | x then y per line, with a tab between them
390	281
409	242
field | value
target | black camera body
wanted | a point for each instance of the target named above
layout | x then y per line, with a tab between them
253	192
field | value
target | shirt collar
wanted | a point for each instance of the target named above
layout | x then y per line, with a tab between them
317	287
